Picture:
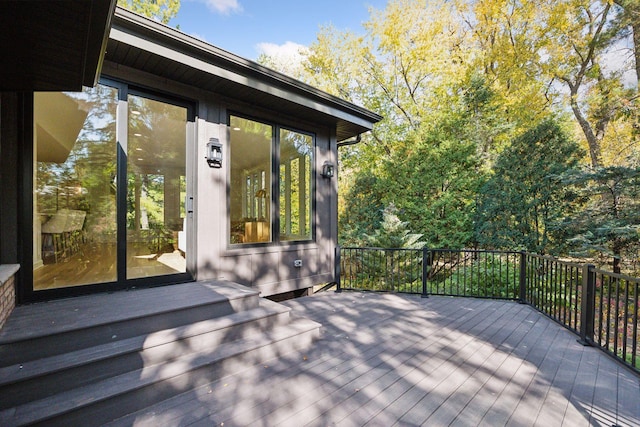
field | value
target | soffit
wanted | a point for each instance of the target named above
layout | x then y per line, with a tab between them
52	45
157	49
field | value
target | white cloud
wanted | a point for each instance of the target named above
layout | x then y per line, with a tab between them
286	58
288	50
224	7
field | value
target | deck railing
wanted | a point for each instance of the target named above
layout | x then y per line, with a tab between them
599	306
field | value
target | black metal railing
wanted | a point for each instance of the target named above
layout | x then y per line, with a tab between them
555	288
616	305
599	306
475	273
378	269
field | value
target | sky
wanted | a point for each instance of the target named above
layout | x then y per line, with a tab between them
250	27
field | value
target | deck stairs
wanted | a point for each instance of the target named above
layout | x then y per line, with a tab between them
92	359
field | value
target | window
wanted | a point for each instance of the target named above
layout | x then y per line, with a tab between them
254	166
296	152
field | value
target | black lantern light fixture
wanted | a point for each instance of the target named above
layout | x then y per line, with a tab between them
214	153
328	170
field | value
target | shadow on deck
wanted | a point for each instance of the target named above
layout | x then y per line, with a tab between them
386	359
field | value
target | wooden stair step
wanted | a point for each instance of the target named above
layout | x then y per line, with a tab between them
117	396
45	329
36	379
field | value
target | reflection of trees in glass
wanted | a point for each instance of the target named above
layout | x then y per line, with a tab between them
251	165
259	130
96	147
151	199
156	164
85	181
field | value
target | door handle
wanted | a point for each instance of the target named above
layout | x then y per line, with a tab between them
189	204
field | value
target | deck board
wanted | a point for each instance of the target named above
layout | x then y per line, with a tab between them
387	359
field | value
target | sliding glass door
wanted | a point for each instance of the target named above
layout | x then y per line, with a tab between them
110	182
156	187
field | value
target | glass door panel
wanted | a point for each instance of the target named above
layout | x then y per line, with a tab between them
156	188
74	201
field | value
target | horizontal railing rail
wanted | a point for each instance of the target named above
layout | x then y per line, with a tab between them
601	307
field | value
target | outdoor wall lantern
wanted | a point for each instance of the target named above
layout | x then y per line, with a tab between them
328	170
214	153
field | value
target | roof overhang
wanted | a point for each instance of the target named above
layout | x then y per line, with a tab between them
52	45
149	46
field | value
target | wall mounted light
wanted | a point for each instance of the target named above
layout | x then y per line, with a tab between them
328	170
214	153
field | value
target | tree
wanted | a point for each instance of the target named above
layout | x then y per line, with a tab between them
394	269
520	205
630	18
457	82
433	181
394	233
160	10
414	67
611	229
577	36
360	213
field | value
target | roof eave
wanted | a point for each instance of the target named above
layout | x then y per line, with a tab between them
31	46
135	30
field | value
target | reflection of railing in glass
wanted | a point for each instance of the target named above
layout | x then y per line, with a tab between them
62	234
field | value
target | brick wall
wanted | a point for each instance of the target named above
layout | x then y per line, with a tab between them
7	294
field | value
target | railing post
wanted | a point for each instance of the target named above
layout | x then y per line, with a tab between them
588	311
337	271
523	277
425	272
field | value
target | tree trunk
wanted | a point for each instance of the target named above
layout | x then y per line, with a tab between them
617	256
592	139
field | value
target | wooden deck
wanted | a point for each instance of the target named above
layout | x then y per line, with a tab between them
388	360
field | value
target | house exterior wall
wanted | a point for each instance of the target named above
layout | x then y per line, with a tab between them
9	179
268	267
9	245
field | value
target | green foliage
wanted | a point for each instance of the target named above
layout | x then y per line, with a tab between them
389	270
468	92
522	202
486	275
361	214
610	222
433	181
394	262
393	233
160	10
